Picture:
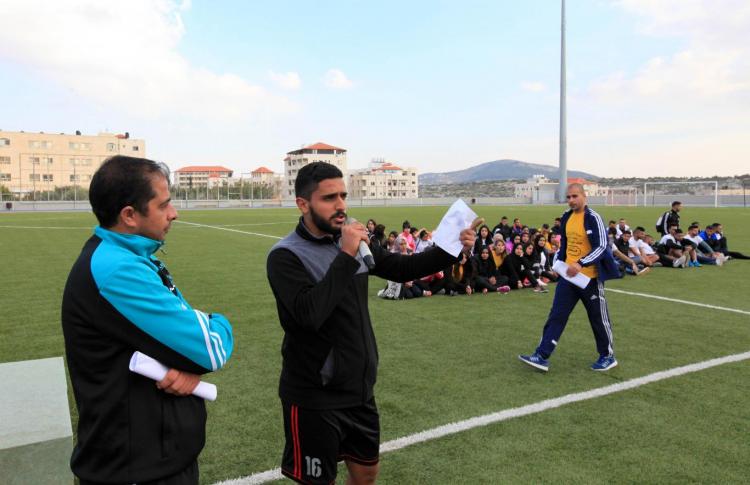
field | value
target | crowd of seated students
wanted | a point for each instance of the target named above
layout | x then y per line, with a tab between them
512	257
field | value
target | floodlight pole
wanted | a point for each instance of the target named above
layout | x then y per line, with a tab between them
563	185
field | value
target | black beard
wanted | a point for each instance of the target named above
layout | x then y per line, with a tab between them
323	224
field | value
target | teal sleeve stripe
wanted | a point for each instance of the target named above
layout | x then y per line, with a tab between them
134	289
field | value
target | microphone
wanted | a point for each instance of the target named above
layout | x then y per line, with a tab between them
364	249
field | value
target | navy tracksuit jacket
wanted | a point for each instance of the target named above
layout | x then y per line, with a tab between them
567	294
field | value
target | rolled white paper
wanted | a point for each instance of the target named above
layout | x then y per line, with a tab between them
153	369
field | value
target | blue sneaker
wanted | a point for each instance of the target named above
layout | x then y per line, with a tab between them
696	264
604	363
535	360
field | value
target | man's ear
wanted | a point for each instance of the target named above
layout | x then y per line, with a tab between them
128	216
303	205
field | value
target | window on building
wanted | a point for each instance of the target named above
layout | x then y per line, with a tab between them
136	148
110	147
4	177
4	160
34	177
48	177
4	142
75	145
34	160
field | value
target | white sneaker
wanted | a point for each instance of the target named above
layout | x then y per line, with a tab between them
720	260
679	262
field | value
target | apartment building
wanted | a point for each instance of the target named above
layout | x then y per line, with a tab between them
31	162
318	152
196	176
383	180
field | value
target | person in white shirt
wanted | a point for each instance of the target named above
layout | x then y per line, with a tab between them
639	251
704	253
622	225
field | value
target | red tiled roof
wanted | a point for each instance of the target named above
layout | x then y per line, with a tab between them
388	166
203	168
318	146
262	170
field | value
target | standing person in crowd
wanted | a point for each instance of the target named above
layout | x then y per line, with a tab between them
486	277
329	354
516	269
669	218
120	299
584	249
484	239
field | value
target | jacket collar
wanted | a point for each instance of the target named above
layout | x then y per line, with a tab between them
140	245
305	233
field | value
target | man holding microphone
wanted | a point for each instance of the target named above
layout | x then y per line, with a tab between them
319	276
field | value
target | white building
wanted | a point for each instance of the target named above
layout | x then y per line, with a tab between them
318	152
383	180
542	190
202	176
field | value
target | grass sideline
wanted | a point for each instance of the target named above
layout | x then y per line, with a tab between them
446	359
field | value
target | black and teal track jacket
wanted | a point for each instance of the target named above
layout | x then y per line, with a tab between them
119	299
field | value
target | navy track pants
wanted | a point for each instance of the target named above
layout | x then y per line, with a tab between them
566	298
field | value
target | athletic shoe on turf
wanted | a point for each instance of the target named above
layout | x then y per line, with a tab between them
535	360
679	262
643	271
697	264
719	261
504	289
604	363
540	289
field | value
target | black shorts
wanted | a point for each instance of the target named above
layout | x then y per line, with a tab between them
316	440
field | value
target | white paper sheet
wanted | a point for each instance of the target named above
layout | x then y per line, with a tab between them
580	279
458	218
153	369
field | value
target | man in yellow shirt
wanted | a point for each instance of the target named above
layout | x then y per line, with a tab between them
584	248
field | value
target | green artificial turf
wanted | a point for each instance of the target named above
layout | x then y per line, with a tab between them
444	359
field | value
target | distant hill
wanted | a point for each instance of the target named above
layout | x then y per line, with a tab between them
498	170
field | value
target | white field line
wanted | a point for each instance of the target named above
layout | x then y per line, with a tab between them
228	229
47	227
258	223
684	302
479	421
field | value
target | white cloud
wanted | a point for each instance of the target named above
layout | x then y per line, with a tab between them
713	63
124	56
286	80
336	79
533	86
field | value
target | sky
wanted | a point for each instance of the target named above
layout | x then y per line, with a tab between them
655	87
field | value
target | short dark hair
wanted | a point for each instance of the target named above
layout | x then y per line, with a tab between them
693	226
123	181
545	226
503	218
311	175
627	231
640	228
612	222
557	219
405	225
677	202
